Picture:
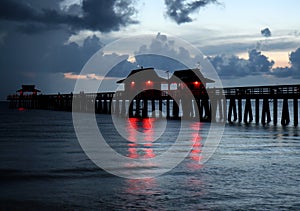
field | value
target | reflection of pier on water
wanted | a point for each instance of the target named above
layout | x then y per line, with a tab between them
144	134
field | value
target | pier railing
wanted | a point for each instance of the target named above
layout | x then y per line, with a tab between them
281	91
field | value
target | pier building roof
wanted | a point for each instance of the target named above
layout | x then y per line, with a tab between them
28	88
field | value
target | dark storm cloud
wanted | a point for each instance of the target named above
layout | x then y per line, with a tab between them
104	15
180	10
37	58
45	53
266	32
107	15
34	37
24	12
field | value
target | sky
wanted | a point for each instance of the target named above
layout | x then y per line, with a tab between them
48	42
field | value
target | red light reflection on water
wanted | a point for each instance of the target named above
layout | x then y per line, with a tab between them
196	146
149	153
145	187
136	126
138	148
141	124
132	152
21	109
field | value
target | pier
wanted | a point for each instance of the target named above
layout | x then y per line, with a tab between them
269	97
235	104
182	96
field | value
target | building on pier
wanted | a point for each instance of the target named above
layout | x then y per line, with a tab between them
143	86
26	97
192	79
142	79
147	79
28	89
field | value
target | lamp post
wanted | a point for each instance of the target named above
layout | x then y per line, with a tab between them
168	80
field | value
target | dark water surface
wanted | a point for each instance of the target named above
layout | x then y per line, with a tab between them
42	166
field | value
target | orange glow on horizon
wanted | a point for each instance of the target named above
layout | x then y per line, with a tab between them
281	58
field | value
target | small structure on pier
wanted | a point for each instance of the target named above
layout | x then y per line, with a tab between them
28	88
26	98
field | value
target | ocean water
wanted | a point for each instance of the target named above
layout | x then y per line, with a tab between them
42	166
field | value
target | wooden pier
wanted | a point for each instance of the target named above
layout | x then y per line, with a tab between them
270	97
261	104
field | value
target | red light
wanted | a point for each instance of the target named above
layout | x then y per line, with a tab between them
149	82
196	82
132	83
149	153
132	153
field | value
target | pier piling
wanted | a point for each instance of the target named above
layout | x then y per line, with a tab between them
296	114
285	118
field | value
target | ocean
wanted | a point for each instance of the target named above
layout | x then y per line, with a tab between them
43	167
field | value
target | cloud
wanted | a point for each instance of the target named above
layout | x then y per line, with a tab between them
131	59
165	46
104	16
295	59
266	32
2	36
73	76
91	76
235	67
229	66
67	58
257	64
35	38
161	53
45	53
282	72
180	10
241	43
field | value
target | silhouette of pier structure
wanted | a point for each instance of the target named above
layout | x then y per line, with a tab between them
146	94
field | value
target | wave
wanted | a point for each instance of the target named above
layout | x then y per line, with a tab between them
14	174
